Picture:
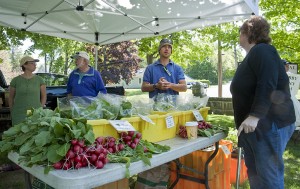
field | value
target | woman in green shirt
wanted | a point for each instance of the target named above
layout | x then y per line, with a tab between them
26	91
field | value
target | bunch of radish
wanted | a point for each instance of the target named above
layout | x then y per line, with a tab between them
182	132
79	155
204	125
131	138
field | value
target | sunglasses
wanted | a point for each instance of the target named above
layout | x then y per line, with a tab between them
163	41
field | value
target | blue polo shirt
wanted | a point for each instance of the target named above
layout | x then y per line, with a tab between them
172	72
85	84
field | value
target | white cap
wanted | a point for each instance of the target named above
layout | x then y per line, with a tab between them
27	59
82	54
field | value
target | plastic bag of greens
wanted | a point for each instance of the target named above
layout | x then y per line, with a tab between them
142	105
190	102
111	105
164	102
86	107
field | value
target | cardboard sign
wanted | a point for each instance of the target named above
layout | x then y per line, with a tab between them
294	83
121	125
146	118
293	68
170	121
197	115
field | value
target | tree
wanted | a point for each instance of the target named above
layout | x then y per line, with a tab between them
187	46
203	70
57	51
117	61
285	26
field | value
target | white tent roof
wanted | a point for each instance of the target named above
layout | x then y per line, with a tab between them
109	21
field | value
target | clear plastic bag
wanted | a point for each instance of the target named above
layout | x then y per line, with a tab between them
164	102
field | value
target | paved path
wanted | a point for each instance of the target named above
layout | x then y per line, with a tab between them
212	91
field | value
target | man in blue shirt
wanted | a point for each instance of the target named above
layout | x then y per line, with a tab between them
84	80
164	76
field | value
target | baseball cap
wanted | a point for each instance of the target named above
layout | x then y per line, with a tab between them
82	54
284	62
27	59
164	42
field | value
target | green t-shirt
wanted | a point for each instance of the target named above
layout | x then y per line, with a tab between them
28	95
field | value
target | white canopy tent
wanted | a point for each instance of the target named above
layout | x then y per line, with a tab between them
110	21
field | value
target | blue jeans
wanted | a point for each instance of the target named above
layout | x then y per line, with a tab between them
263	156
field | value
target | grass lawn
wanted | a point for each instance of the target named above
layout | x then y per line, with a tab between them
15	179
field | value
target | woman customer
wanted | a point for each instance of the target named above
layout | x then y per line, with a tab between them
26	91
263	110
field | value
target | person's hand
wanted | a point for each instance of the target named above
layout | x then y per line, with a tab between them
164	84
249	125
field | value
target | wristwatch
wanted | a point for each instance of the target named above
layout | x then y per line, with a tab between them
154	86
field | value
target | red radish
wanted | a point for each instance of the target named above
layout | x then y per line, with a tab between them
121	146
77	158
132	145
110	150
123	134
57	165
111	139
93	158
131	133
128	143
128	138
138	135
78	165
98	151
99	164
76	148
101	156
104	151
136	141
105	161
66	165
81	143
100	140
74	142
111	144
145	149
70	154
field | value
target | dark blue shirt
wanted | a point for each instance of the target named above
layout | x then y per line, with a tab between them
85	84
260	88
172	73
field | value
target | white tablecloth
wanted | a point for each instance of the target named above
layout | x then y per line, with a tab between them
86	178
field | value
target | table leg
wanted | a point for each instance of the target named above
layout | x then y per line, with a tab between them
202	181
27	180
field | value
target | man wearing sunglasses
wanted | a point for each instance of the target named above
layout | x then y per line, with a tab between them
164	76
84	80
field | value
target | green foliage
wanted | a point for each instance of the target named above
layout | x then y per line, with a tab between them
285	26
11	37
129	155
203	70
44	137
187	46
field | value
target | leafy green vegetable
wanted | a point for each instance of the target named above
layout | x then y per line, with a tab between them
44	137
129	155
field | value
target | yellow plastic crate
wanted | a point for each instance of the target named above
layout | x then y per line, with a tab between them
204	112
102	127
187	116
158	131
